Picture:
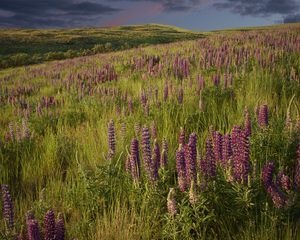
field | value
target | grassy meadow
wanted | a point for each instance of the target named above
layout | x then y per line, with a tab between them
195	139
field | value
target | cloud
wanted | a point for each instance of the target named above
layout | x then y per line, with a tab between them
51	13
259	8
175	5
292	18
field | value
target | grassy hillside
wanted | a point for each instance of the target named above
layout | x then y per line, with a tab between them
26	46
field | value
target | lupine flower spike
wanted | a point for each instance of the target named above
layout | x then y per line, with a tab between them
171	202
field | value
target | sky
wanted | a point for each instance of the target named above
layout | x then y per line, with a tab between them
200	15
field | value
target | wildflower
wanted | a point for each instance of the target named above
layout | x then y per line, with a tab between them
111	140
135	159
49	223
263	116
8	208
181	168
191	158
171	202
60	228
33	230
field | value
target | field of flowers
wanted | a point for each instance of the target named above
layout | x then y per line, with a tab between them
188	140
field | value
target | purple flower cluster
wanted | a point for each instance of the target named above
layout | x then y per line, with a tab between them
60	228
240	154
146	150
272	189
155	161
181	168
263	116
208	164
226	150
111	139
49	224
134	163
33	230
8	208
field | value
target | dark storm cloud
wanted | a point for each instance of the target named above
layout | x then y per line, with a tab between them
292	18
51	13
174	5
260	8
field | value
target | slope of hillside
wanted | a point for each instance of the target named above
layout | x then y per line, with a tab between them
27	46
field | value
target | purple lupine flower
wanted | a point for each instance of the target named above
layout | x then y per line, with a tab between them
164	154
8	207
49	223
283	181
111	139
135	159
60	228
209	167
247	122
277	197
153	130
236	153
263	116
171	202
146	149
33	230
180	95
245	146
181	169
267	174
155	161
191	159
217	146
240	156
226	150
181	138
